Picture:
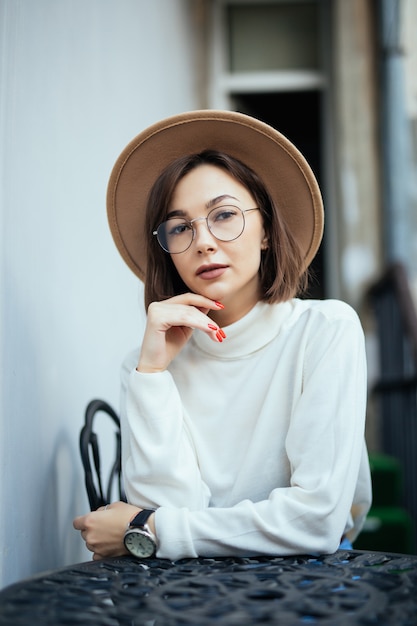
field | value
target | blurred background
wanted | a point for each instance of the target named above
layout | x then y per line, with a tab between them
78	80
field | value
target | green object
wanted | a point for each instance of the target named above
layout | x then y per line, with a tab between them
387	529
386	480
388	526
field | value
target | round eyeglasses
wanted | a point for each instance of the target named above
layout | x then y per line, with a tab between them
225	223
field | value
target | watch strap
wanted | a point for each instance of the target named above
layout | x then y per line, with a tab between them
141	518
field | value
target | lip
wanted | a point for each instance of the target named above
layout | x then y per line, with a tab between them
211	271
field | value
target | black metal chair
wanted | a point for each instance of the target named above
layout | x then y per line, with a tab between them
91	459
395	391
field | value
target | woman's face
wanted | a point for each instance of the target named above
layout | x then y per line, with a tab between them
226	271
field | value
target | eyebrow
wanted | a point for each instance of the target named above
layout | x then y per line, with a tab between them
211	203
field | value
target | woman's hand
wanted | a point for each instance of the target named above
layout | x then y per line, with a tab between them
103	530
170	324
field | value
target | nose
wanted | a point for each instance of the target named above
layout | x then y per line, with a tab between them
203	239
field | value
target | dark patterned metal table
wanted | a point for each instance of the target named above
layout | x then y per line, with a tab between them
348	587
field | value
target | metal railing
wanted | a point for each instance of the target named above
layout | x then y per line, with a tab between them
396	388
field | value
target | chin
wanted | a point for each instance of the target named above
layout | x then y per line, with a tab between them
218	295
211	291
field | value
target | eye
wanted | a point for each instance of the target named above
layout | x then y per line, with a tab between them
224	213
178	228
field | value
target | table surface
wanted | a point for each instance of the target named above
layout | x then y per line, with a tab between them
348	587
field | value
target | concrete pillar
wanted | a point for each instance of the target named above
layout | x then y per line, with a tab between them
356	146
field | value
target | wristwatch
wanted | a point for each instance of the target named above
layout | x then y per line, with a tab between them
139	539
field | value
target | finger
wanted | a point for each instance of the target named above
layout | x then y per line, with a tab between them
180	311
102	509
78	522
162	316
209	327
216	333
195	299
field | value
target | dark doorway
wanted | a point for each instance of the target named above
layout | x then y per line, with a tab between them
297	115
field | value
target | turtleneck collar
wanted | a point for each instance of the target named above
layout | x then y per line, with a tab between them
249	334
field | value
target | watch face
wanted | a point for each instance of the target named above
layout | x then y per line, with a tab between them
139	543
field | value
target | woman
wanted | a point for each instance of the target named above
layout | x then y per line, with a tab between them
243	411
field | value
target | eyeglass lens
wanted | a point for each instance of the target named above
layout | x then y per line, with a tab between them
225	223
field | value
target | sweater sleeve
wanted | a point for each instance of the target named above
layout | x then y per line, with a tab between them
326	451
159	462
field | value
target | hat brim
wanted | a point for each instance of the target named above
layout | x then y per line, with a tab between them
282	168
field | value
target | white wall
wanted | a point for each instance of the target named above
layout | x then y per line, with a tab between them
79	78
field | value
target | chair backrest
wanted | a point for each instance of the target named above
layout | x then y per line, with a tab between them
91	459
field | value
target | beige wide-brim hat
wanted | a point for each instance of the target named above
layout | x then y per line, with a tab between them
282	168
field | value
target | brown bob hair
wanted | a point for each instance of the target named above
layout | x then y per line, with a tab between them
281	268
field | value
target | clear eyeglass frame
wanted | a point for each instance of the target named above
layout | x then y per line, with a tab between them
189	235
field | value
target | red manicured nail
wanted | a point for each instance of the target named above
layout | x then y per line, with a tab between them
219	304
213	327
219	336
223	334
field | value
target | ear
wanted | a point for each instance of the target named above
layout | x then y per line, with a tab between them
265	243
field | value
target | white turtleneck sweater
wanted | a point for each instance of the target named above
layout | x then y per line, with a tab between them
255	445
